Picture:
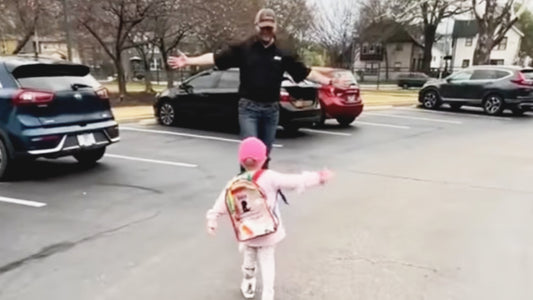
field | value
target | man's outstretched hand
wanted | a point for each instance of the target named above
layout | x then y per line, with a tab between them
177	62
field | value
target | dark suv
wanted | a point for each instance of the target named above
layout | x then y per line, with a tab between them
51	109
495	88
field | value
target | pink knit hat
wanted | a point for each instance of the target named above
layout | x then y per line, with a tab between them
252	148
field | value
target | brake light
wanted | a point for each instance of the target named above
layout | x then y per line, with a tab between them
103	94
522	80
26	97
284	96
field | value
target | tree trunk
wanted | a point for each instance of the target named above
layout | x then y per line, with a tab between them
386	56
429	39
121	76
147	77
23	42
483	47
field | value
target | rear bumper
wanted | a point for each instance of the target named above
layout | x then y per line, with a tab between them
337	109
288	115
521	102
63	141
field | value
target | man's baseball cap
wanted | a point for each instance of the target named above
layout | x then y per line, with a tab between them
266	17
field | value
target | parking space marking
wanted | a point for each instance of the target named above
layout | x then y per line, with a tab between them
22	202
382	125
377	107
205	137
446	113
154	161
415	118
325	132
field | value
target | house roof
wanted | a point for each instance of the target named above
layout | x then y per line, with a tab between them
469	29
387	31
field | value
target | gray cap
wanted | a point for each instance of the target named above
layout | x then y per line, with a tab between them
266	17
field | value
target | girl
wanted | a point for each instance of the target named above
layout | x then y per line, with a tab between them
252	156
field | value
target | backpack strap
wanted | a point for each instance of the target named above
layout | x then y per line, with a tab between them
257	174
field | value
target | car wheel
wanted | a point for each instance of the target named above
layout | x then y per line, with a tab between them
90	157
431	99
166	114
5	161
456	106
493	105
345	121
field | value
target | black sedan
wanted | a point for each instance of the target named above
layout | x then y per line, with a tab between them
415	79
495	88
212	96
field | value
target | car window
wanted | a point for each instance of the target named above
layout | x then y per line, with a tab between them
461	76
229	80
205	81
488	74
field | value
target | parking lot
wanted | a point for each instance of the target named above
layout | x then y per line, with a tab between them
424	205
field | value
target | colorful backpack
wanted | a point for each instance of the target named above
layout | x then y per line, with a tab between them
248	208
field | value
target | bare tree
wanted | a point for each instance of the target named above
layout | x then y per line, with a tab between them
21	18
493	24
430	13
111	24
334	30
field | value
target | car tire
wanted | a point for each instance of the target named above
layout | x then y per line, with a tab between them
345	121
166	114
5	161
456	106
493	105
518	112
90	157
431	99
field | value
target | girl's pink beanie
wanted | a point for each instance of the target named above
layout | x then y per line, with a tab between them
252	148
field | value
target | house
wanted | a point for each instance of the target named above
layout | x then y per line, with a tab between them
387	49
465	36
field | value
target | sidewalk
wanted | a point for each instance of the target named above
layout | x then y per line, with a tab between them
370	99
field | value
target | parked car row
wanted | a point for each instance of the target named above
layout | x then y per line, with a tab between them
212	96
494	88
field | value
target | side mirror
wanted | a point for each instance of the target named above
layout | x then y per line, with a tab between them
186	87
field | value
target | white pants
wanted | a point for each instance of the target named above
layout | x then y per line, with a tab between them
265	257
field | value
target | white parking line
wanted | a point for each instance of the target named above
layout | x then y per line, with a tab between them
325	132
383	125
154	161
377	107
205	137
22	202
414	118
446	113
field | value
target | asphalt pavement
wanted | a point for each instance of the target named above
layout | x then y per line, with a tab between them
424	205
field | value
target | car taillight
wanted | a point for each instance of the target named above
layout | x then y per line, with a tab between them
284	96
103	94
26	97
522	80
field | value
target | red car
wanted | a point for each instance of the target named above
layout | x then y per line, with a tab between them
342	105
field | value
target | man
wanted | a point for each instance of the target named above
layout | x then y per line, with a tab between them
261	65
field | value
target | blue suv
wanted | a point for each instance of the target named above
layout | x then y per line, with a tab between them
51	109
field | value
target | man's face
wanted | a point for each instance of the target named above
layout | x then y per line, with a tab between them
266	34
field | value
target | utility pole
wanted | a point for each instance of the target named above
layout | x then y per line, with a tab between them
67	29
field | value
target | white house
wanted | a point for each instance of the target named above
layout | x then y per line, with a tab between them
465	35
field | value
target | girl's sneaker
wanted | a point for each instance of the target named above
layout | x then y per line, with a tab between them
248	288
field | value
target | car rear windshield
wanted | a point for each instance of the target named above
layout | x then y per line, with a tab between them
528	74
346	74
54	77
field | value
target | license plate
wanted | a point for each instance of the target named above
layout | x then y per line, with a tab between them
86	140
351	98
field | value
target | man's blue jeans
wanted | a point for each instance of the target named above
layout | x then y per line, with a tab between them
259	120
